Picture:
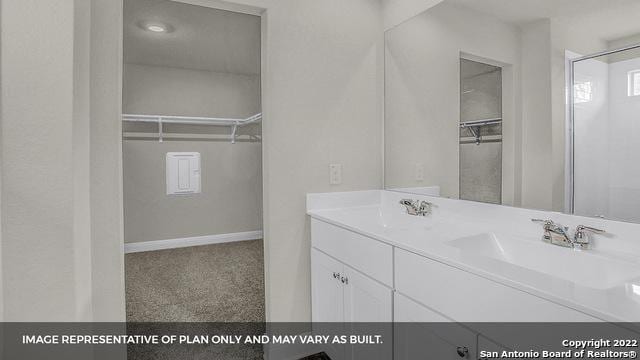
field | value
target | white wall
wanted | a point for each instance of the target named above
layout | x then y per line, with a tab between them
231	197
323	105
322	99
38	168
39	172
536	116
422	97
230	201
175	91
61	230
107	257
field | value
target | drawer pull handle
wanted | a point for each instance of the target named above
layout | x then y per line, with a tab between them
462	351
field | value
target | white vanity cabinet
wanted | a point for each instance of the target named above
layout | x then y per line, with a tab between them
355	271
327	291
370	257
342	294
356	278
351	283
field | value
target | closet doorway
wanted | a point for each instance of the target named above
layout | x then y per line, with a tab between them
192	158
480	159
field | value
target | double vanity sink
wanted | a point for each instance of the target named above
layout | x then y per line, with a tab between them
582	268
465	262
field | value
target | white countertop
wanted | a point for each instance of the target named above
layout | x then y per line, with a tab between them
615	298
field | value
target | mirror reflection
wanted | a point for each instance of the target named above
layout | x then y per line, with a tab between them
529	103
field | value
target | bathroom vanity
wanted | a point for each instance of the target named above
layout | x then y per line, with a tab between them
466	262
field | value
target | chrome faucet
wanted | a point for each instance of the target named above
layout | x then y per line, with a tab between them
417	207
557	234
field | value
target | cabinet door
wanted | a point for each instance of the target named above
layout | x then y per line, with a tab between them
420	333
368	301
326	288
327	300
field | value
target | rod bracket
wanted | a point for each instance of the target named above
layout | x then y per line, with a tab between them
234	131
160	130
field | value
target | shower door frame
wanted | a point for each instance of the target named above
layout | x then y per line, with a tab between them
571	120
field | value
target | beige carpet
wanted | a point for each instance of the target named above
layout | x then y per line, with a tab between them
221	282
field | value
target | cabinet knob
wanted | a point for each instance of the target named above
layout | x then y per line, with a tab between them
462	351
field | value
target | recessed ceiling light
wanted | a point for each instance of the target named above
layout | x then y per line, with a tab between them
156	27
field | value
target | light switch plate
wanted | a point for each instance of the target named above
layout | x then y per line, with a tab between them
335	174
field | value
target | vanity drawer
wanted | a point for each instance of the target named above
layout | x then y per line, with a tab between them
364	254
466	297
420	331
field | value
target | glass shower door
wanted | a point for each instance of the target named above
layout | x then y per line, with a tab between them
606	136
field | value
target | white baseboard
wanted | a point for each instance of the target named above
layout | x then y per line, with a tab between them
191	241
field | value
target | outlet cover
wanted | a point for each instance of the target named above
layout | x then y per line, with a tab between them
335	174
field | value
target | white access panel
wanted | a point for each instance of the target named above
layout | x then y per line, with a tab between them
183	173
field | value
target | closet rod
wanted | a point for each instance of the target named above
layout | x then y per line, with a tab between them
475	125
482	140
192	120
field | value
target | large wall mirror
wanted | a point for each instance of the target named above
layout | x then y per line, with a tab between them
528	103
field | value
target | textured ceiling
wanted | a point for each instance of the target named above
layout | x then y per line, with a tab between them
202	39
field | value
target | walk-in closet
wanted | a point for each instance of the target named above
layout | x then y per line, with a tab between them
192	163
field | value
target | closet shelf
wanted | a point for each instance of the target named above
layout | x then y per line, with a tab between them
185	137
234	124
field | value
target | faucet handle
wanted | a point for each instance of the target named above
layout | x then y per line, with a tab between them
547	223
581	237
410	205
582	228
550	224
426	208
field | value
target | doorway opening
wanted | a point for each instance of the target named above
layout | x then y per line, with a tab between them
480	160
192	164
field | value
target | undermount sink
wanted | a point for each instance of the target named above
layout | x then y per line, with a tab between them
580	267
